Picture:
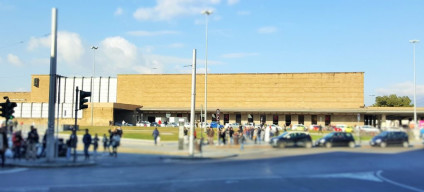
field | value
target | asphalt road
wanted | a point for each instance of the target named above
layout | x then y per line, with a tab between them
346	170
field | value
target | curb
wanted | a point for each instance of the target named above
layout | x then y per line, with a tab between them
192	158
57	164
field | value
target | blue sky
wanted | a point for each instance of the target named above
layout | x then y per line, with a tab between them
245	36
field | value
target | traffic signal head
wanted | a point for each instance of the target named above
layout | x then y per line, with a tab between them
3	109
83	100
10	110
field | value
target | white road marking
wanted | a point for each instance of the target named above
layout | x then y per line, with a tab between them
396	183
368	176
12	170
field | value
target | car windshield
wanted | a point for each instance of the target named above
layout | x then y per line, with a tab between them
329	135
283	134
383	134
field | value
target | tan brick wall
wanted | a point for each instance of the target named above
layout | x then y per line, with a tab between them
266	91
17	97
41	93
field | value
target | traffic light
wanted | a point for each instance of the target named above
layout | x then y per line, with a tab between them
83	100
10	110
3	109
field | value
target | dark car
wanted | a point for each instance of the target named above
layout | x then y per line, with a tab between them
292	139
386	138
336	139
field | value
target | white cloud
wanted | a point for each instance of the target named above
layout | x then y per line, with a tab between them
232	2
401	89
267	30
117	53
170	9
176	45
14	60
243	13
151	33
238	55
69	46
119	11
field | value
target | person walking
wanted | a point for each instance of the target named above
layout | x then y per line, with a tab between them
105	142
95	145
32	141
73	141
211	134
241	138
17	144
116	141
3	145
231	132
155	135
87	142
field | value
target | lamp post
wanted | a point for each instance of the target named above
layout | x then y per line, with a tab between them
415	101
207	13
92	82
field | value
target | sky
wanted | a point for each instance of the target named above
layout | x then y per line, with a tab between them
244	36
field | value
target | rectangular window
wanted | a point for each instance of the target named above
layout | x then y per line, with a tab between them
275	119
226	118
301	119
250	118
314	120
179	115
238	118
263	119
288	120
327	120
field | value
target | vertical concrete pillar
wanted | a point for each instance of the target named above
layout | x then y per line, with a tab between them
383	121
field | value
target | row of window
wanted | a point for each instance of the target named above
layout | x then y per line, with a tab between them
275	119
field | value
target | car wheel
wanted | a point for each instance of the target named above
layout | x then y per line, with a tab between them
328	145
383	144
308	145
405	144
352	144
281	145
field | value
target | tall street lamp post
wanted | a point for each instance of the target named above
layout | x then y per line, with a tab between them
92	82
207	13
415	101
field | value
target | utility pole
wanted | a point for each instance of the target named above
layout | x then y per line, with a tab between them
50	143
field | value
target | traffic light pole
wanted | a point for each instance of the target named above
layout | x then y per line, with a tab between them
76	107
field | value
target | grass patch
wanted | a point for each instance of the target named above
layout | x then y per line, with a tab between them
166	133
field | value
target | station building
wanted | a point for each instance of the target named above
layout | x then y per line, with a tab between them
271	98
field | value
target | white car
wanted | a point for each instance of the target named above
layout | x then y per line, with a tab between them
342	127
298	127
274	128
369	129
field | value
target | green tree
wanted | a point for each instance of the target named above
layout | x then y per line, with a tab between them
392	101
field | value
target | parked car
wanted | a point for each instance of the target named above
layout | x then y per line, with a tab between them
274	128
314	127
336	139
214	124
292	139
143	124
369	129
154	124
298	127
173	124
386	138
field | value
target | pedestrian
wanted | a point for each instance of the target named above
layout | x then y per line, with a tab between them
95	145
73	141
211	134
87	141
116	141
32	141
44	145
17	144
185	136
3	145
155	135
119	131
241	138
231	132
105	142
255	135
320	128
